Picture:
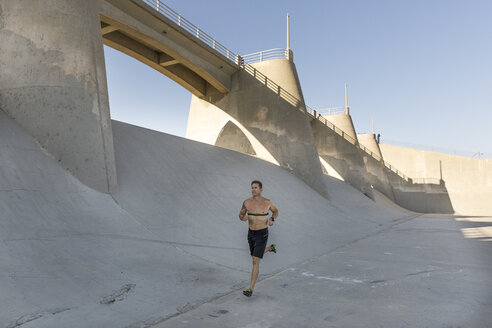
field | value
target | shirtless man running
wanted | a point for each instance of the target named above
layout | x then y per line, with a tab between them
255	211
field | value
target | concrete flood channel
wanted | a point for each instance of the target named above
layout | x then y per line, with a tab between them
167	249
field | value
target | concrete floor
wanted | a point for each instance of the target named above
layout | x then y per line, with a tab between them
419	272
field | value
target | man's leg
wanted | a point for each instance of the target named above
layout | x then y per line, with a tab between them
255	271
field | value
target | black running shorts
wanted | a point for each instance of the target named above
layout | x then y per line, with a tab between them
257	240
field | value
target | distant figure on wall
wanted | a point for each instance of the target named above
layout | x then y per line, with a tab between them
379	136
255	210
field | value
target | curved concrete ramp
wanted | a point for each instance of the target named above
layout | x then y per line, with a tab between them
168	240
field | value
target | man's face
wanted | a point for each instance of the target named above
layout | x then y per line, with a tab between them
255	189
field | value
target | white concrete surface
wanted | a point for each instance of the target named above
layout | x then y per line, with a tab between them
167	241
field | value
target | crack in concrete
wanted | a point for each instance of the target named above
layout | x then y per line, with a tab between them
119	295
43	190
115	236
419	273
34	316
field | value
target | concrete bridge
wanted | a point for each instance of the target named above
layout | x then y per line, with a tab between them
154	34
53	84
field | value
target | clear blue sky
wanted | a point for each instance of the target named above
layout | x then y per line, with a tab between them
422	69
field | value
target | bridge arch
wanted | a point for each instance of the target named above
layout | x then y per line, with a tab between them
139	30
206	122
231	137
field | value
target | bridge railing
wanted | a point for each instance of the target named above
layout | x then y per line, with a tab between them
265	55
356	143
294	101
331	111
194	30
427	180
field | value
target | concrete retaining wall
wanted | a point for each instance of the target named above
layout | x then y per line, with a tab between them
366	172
467	180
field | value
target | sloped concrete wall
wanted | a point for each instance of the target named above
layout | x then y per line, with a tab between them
468	181
167	240
53	83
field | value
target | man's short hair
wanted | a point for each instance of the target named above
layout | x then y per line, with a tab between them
258	182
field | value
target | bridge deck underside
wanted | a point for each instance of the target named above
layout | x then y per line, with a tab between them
132	44
139	31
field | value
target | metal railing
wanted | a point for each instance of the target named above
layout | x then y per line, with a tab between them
193	30
331	111
427	180
356	143
265	55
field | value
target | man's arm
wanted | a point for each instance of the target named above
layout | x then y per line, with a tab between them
274	213
242	212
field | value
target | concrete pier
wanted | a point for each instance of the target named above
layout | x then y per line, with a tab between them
368	140
344	123
53	83
282	130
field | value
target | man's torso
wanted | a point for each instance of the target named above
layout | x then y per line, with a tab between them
260	207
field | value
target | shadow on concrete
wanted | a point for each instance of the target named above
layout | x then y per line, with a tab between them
476	227
420	197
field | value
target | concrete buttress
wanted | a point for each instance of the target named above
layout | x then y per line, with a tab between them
278	131
343	156
53	83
